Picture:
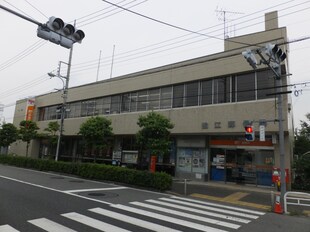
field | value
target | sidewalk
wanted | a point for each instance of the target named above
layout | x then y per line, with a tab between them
242	195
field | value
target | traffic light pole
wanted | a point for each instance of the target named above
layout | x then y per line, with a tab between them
277	71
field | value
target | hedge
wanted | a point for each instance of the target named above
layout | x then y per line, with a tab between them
158	180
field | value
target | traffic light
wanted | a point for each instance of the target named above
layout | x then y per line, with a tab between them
250	57
249	133
275	52
58	32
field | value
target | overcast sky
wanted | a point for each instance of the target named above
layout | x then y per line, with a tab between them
139	43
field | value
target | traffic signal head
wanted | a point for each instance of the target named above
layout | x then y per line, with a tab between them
249	133
56	31
275	52
250	57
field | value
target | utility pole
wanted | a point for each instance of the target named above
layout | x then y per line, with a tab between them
275	57
63	108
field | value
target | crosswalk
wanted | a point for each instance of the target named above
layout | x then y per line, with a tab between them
168	214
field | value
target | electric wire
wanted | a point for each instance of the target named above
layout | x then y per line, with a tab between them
36	9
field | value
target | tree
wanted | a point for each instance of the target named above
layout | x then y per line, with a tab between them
51	134
154	134
96	131
8	135
28	130
302	149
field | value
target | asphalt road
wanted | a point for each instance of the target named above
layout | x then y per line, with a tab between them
35	201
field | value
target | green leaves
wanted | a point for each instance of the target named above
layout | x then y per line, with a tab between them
96	131
28	130
154	134
8	134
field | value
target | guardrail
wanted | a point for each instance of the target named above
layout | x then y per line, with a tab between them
296	198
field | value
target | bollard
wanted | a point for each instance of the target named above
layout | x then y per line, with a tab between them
185	187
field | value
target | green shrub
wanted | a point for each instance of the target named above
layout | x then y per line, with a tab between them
158	180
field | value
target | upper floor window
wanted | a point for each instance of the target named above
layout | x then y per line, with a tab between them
246	87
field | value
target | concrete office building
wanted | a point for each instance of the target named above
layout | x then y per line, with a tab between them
207	98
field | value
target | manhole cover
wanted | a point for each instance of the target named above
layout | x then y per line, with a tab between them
102	195
76	181
57	177
97	194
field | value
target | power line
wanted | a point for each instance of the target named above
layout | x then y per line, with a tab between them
36	9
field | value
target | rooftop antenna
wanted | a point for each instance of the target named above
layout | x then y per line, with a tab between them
222	16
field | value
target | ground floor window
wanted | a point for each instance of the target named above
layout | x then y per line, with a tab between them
193	161
246	166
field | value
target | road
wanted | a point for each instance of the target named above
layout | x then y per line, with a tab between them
32	201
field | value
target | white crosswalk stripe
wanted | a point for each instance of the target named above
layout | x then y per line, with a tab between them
49	225
187	215
168	219
7	228
131	220
99	225
169	214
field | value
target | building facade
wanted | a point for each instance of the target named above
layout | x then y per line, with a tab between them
208	99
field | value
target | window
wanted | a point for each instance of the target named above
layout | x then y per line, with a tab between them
75	110
206	92
191	91
133	102
115	104
154	99
106	104
143	100
246	87
125	107
265	84
178	95
221	90
165	97
88	108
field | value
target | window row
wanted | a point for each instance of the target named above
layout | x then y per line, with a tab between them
236	88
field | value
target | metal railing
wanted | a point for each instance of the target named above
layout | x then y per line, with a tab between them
296	198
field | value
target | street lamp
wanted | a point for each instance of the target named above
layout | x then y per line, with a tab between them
63	107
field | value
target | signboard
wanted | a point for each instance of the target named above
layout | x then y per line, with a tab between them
29	109
262	133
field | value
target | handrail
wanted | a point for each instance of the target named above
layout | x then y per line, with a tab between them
298	196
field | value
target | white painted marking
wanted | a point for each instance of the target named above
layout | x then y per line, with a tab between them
211	208
167	218
93	190
132	220
222	206
7	228
49	225
187	215
55	190
99	225
223	216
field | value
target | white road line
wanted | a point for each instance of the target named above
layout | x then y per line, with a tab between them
219	205
199	211
211	208
93	190
167	218
49	225
55	190
132	220
187	215
7	228
99	225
